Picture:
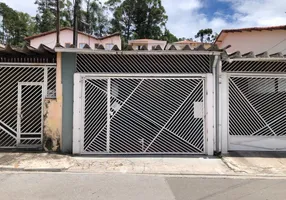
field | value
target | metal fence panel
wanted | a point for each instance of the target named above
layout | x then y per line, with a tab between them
144	115
257	107
138	63
10	77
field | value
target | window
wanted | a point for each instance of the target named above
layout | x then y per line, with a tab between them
96	45
109	46
67	45
81	45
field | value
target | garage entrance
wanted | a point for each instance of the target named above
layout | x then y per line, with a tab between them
143	115
257	114
140	112
253	104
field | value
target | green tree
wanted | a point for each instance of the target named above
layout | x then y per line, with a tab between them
96	18
206	35
16	26
138	18
169	37
149	19
46	14
123	17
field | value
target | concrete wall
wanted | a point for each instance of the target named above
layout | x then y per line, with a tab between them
66	36
257	41
53	115
68	67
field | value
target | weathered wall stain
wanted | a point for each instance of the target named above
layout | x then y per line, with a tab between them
52	125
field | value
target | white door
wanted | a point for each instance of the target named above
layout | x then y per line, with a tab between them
30	114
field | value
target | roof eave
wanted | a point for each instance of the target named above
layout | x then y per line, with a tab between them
89	51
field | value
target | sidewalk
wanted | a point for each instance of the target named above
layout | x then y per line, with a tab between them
252	163
235	164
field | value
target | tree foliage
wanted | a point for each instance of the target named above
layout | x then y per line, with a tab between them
138	18
16	26
134	19
206	35
169	37
46	14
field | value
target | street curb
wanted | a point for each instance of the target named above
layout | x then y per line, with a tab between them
239	175
12	169
66	170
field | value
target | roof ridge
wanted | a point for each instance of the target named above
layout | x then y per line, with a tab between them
69	28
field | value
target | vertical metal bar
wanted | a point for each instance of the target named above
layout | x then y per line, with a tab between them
77	115
210	114
224	112
42	116
19	113
219	108
204	114
45	88
108	115
82	115
216	103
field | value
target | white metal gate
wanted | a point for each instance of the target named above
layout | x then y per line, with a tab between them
23	88
257	113
141	115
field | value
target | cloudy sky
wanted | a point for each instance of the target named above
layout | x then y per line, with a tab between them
186	17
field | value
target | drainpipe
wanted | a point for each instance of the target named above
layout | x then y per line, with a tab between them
218	105
216	74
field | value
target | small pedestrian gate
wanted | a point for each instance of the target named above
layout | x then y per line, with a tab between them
255	109
22	92
121	113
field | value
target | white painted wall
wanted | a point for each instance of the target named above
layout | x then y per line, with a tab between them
256	41
66	36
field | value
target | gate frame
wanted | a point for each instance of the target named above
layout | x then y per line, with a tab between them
78	113
20	84
224	111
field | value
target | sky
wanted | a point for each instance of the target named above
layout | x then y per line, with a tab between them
186	17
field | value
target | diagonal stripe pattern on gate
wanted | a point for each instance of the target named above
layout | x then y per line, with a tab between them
257	106
10	76
149	116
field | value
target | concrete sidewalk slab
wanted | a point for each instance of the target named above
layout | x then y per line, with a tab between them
152	165
135	165
34	162
257	162
233	164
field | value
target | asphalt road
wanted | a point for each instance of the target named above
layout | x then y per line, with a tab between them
34	186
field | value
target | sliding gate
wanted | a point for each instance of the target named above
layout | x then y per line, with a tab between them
257	112
142	115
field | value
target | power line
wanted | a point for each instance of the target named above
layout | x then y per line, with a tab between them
277	45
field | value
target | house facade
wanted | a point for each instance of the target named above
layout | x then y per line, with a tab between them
66	39
142	102
256	39
140	43
192	44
